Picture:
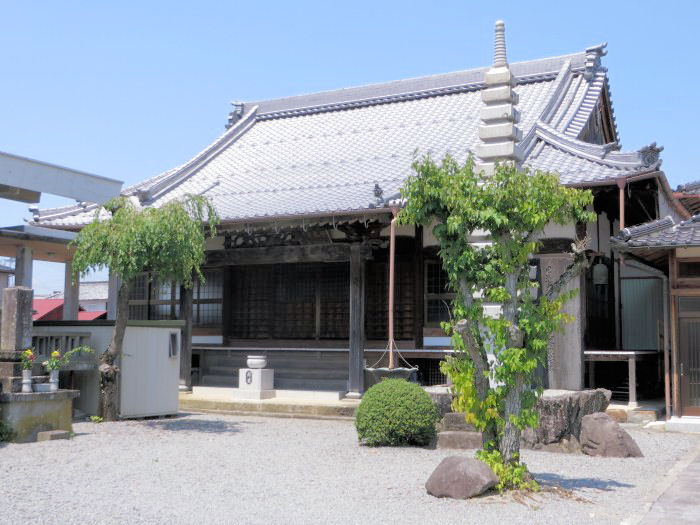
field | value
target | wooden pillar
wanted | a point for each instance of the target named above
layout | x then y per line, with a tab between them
71	294
621	186
186	340
676	384
357	323
227	304
418	306
23	267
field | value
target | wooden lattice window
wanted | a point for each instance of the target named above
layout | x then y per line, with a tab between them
207	299
153	299
290	301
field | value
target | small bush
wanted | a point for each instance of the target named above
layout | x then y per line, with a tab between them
6	432
396	412
96	419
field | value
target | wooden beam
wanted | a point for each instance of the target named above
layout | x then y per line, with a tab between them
357	322
279	254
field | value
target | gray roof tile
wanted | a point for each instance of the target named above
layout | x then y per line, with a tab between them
661	233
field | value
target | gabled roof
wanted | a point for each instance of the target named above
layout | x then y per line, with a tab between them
326	154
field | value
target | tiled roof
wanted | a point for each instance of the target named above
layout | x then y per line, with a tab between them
323	154
661	233
689	195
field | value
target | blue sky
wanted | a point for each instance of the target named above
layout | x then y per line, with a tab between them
129	89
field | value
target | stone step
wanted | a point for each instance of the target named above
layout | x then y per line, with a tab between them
459	439
455	421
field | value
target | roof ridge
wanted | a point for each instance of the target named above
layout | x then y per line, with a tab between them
646	228
524	72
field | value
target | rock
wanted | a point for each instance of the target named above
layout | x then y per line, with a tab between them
602	436
561	412
460	477
459	439
455	421
442	397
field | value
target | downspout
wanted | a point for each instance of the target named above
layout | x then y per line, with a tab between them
392	256
667	328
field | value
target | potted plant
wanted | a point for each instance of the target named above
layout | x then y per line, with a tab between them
52	364
27	356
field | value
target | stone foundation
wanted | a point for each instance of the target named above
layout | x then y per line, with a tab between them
29	414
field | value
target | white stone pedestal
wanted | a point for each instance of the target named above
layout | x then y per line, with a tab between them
255	383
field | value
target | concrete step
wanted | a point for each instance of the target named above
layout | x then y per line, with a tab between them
459	439
644	413
344	409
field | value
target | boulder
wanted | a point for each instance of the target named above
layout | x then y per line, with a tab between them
601	435
460	477
561	412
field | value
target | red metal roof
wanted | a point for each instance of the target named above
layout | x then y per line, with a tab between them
91	315
52	310
44	307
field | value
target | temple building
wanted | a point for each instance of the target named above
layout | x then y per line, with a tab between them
306	188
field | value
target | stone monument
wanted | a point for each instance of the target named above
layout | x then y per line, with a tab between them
256	381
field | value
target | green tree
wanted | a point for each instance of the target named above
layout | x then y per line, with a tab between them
168	241
513	206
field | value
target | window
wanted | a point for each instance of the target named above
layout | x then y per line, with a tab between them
689	269
438	296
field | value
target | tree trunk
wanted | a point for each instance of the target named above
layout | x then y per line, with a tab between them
466	328
108	370
510	442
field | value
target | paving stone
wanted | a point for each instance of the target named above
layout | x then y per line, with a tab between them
51	435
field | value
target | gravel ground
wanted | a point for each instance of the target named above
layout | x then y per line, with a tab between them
233	469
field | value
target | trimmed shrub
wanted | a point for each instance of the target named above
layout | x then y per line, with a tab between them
396	412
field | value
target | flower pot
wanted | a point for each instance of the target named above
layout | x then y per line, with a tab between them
53	380
257	361
26	381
